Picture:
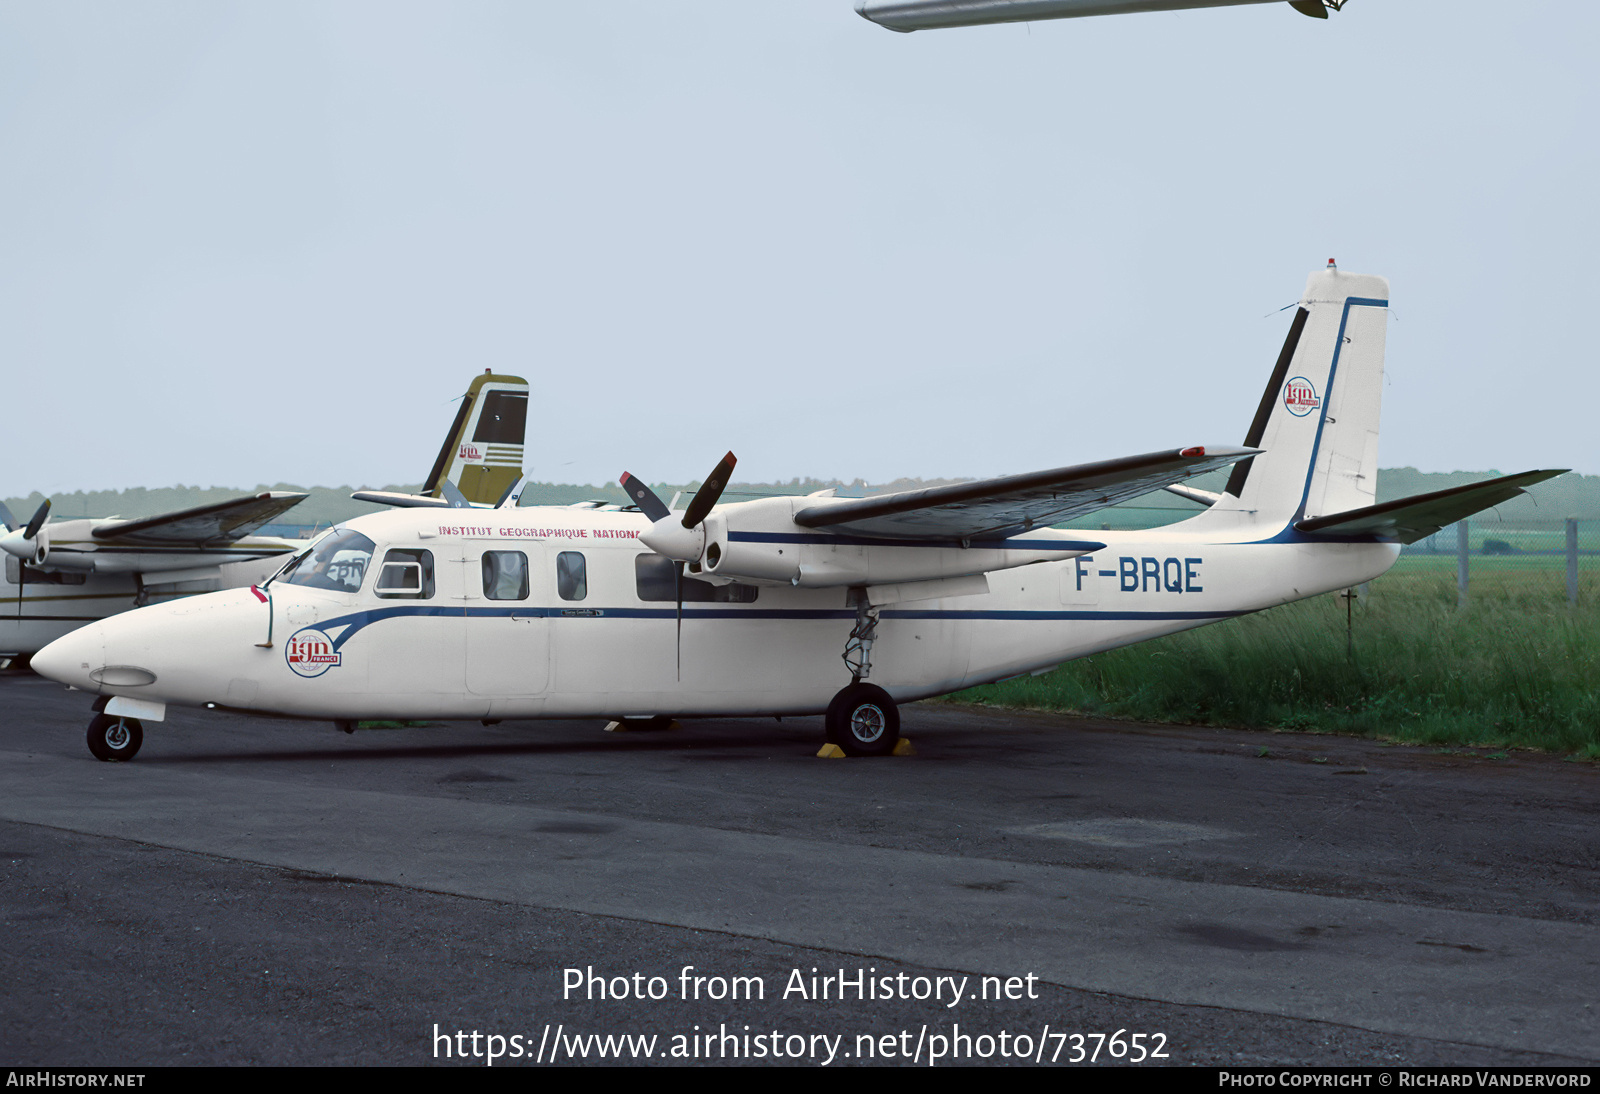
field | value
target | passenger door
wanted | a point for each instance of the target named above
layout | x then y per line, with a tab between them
508	632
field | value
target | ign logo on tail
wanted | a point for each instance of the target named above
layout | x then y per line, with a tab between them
311	653
470	452
1300	397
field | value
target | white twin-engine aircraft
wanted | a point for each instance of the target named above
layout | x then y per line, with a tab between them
746	608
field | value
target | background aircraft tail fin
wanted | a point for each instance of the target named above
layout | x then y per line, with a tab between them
1318	419
482	453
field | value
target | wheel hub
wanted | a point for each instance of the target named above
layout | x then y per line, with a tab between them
866	723
117	735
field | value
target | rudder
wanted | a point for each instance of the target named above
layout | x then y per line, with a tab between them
482	453
1317	422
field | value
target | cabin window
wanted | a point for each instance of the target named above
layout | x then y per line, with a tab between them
656	578
338	561
504	419
41	577
407	574
505	575
572	576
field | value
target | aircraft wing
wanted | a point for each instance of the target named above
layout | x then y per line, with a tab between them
204	525
995	508
1420	516
910	15
401	501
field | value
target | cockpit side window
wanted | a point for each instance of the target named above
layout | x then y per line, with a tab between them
407	574
339	562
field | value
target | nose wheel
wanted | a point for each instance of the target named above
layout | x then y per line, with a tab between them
863	721
112	737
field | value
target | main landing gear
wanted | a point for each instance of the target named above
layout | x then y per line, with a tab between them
114	737
862	719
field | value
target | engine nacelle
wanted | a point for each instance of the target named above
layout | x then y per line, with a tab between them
753	557
759	542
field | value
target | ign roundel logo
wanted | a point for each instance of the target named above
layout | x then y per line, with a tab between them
1300	397
311	653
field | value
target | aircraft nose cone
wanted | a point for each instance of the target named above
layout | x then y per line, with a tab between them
72	657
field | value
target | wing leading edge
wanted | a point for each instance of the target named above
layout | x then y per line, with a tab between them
990	508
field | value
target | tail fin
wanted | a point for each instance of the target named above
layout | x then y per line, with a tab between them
1318	419
482	453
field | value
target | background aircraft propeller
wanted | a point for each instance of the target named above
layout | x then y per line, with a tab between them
40	547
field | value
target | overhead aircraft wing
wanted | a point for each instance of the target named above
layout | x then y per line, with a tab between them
1420	516
995	508
204	525
910	15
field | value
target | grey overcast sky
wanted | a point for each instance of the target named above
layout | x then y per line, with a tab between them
271	241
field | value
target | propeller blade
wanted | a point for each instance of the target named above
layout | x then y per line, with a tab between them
40	515
709	492
7	519
513	494
453	493
644	497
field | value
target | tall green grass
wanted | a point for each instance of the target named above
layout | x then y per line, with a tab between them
1516	667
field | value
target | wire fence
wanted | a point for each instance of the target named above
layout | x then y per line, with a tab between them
1523	557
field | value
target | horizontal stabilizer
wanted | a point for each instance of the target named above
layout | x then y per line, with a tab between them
1410	519
1010	504
205	525
403	501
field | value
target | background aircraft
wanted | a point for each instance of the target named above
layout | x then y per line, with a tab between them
481	461
909	15
769	606
60	575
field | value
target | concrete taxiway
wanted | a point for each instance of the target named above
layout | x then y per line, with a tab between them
1264	897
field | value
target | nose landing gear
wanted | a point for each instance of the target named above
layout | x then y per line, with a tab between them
114	737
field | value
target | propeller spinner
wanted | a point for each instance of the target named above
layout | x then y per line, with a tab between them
29	543
683	539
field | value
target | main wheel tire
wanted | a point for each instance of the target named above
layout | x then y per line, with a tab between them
112	737
863	721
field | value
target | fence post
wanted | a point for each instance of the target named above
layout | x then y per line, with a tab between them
1461	564
1572	561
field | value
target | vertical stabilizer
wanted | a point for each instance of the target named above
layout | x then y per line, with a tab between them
1318	419
482	454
